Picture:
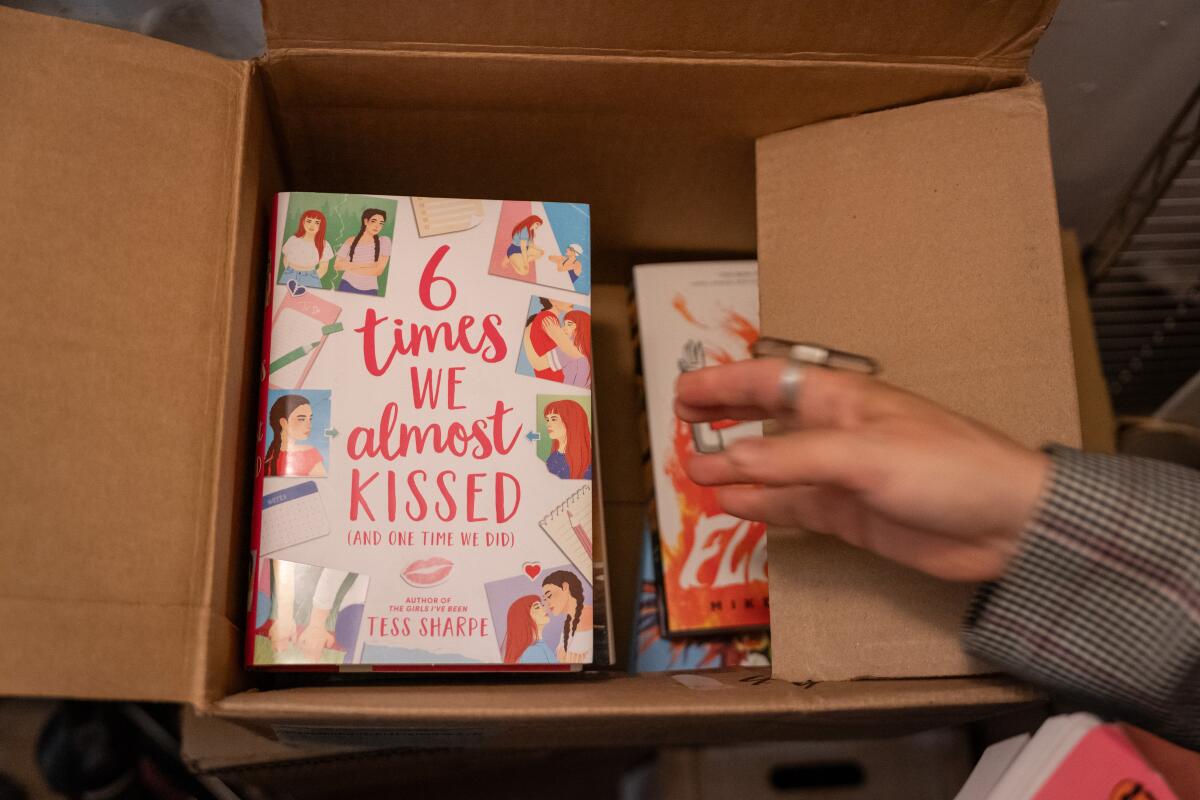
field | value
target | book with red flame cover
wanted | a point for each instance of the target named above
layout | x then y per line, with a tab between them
424	471
713	566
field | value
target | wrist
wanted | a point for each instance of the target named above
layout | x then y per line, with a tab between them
1031	479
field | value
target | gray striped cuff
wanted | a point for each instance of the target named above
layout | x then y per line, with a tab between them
1102	600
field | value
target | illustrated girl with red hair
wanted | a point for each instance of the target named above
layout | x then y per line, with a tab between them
570	440
306	254
523	253
539	348
573	345
527	618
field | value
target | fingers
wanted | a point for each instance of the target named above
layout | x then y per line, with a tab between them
751	390
832	511
826	457
814	508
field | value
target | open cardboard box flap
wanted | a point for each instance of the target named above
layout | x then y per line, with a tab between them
125	549
926	237
117	162
997	35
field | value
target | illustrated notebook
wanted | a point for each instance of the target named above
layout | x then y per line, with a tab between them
424	471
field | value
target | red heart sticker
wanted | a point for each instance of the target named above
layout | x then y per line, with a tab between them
533	570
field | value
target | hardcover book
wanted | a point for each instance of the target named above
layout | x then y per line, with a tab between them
712	566
651	652
424	471
1070	756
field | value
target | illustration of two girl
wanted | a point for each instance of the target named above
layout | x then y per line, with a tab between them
570	434
291	419
361	259
560	349
562	595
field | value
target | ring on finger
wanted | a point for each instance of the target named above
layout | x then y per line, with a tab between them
791	382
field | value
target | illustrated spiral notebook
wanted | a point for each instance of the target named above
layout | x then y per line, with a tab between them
424	471
713	567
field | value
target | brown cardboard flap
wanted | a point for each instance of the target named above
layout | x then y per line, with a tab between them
926	237
998	33
596	710
117	161
662	149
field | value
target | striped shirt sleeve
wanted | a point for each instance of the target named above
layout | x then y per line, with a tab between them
1101	603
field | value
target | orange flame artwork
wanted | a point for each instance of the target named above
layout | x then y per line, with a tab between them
715	571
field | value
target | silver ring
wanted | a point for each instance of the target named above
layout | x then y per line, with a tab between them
791	381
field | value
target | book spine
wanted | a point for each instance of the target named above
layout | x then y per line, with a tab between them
639	375
260	435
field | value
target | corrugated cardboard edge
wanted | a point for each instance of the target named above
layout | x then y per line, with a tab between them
719	706
1006	34
215	667
1099	427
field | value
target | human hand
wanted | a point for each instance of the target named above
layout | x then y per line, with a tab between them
553	329
313	640
283	634
874	465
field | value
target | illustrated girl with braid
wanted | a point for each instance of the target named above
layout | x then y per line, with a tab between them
363	258
562	592
291	419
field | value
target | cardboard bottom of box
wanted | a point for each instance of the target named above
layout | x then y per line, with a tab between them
599	710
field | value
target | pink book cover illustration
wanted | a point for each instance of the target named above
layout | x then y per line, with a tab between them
1106	766
424	470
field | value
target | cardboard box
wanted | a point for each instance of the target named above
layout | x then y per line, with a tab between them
932	765
134	176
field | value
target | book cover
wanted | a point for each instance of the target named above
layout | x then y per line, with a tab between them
651	652
424	471
1106	765
1070	756
713	566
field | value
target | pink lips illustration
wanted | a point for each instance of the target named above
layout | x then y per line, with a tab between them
427	572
